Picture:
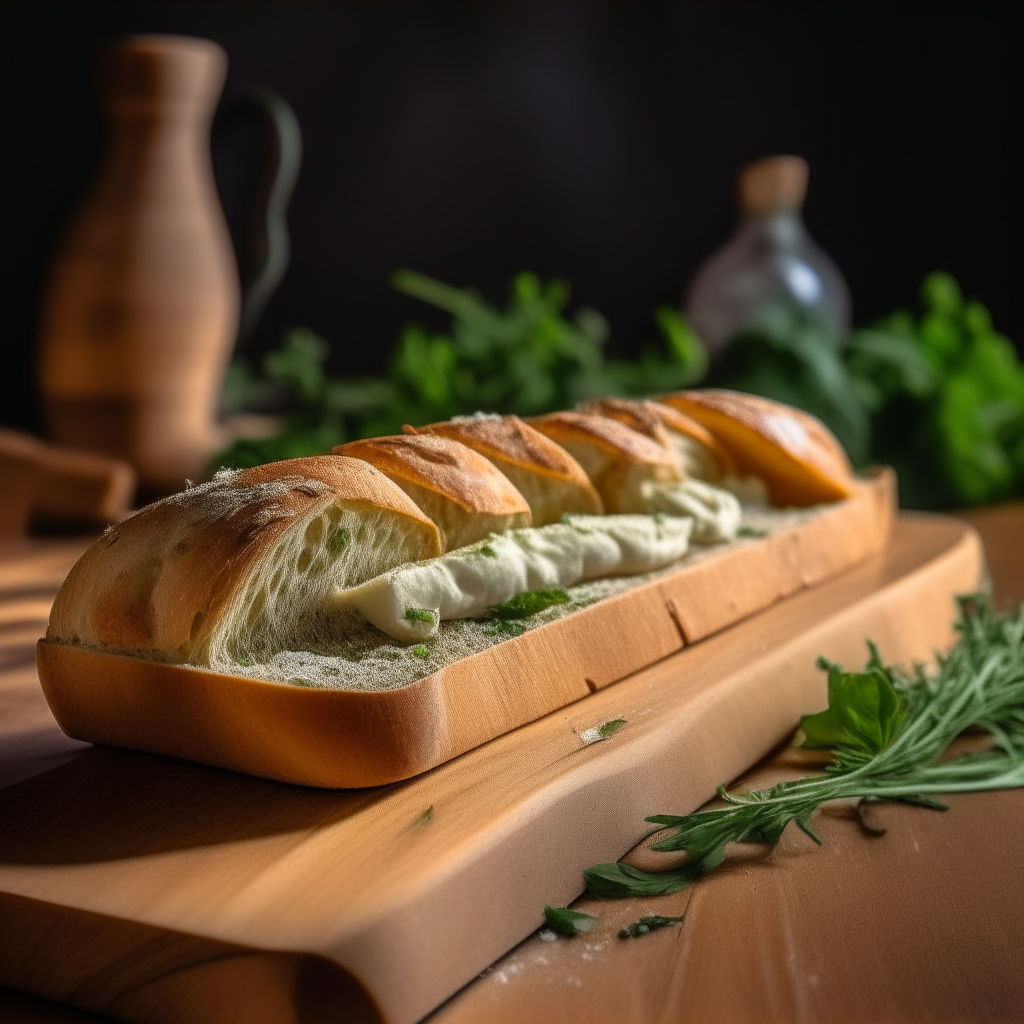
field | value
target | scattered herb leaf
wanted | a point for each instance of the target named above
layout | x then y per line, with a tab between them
300	681
339	540
610	728
529	602
647	924
245	662
503	628
751	531
488	551
421	652
569	922
425	818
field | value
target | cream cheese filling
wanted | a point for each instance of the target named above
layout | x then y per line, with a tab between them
716	513
408	602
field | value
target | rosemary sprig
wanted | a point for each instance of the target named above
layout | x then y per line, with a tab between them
887	731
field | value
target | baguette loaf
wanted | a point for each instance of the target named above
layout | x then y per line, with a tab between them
238	568
548	477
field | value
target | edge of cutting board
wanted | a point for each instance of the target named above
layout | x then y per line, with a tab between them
344	739
116	844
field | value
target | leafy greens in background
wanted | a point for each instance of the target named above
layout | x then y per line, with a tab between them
888	733
939	396
527	359
946	395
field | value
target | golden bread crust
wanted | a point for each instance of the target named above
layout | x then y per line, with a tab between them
548	477
635	415
441	465
620	462
677	422
615	439
658	422
459	489
798	458
509	438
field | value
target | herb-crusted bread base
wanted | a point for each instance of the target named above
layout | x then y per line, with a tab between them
364	658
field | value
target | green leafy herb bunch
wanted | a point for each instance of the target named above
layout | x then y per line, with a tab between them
888	732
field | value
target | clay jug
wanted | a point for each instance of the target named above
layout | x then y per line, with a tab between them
142	309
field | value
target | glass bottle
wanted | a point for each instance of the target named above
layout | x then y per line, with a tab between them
771	261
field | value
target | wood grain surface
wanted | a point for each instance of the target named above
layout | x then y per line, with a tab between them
348	738
158	890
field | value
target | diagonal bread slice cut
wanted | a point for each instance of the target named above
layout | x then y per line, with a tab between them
619	461
696	448
795	454
548	477
240	567
457	488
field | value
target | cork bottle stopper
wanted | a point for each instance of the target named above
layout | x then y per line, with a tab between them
774	184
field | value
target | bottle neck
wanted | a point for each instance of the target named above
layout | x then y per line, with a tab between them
782	229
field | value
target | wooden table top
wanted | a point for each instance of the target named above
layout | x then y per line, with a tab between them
925	923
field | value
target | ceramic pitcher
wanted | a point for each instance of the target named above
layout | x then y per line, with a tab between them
142	308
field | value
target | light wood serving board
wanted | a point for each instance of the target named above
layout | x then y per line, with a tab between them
162	891
347	738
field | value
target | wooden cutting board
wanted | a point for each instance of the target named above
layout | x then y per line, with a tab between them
158	890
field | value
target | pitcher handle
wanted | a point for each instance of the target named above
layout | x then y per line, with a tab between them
281	174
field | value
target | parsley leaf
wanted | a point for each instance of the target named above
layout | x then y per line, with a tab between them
863	716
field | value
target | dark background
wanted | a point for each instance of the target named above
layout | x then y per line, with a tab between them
594	142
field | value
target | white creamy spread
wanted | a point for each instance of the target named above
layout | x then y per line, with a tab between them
408	602
716	513
751	490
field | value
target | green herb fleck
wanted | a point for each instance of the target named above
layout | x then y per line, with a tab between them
610	728
503	628
425	818
245	662
569	922
300	681
339	540
751	531
647	924
421	652
529	602
888	731
487	551
420	615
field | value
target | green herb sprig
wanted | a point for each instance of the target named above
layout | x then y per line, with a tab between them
887	731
